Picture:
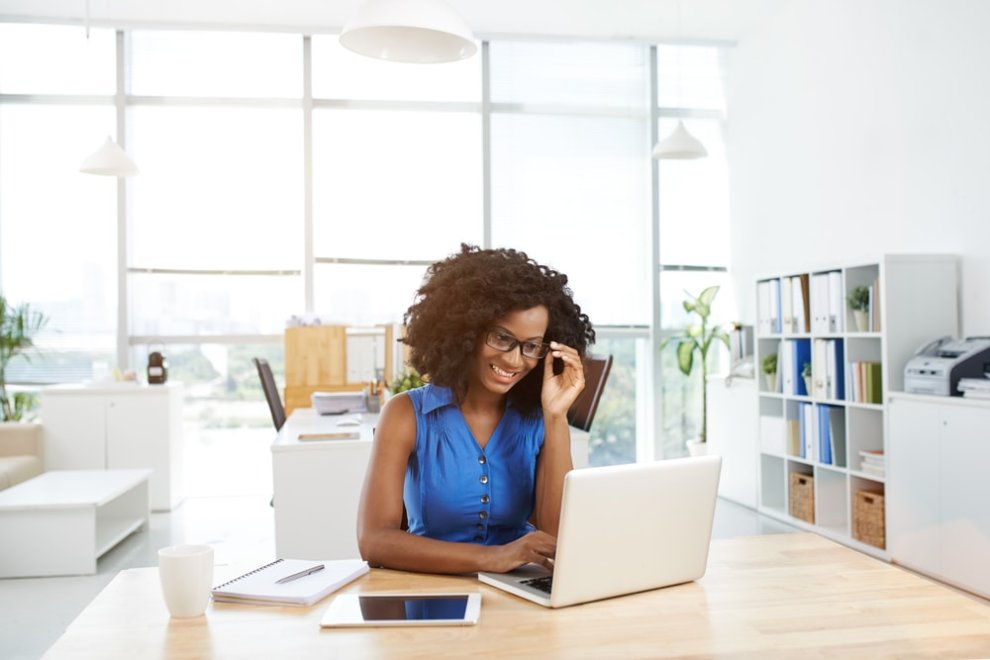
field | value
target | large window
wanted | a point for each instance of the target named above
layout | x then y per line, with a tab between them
397	177
571	187
215	64
580	182
395	184
693	232
282	175
58	246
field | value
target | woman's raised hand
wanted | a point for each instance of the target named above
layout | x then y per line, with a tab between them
561	390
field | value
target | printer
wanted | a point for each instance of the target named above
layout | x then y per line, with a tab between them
938	365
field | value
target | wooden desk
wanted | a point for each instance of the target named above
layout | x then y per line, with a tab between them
317	484
789	595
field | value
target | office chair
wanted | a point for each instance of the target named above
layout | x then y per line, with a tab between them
582	411
271	392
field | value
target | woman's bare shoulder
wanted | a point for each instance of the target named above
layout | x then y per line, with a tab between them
397	423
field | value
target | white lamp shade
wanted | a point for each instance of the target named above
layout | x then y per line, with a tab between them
680	145
424	31
109	160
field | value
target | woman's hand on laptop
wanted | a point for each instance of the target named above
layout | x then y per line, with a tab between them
536	547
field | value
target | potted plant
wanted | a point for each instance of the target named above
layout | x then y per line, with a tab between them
806	375
859	302
698	338
410	379
17	327
769	368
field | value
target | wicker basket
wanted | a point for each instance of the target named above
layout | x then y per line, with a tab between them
868	519
802	497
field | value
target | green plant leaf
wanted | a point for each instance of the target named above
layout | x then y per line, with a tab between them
708	295
17	325
859	298
685	356
719	333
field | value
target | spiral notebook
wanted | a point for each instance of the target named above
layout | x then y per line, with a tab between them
262	587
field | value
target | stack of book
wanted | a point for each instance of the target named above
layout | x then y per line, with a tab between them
865	382
873	462
975	388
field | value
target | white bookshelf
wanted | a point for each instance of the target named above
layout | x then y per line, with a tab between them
917	301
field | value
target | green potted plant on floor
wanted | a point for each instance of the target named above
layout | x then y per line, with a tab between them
18	325
698	338
859	302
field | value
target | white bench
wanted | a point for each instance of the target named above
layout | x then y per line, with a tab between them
61	522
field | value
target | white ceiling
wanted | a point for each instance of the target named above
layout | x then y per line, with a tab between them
724	20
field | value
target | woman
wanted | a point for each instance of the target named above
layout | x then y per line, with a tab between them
478	456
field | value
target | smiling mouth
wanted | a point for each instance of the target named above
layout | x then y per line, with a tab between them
503	373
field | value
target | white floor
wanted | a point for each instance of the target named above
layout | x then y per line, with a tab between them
240	527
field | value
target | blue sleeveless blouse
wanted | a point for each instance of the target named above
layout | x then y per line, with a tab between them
457	491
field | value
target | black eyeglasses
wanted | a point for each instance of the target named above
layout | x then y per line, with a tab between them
502	341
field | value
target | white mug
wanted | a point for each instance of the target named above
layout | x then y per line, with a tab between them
186	573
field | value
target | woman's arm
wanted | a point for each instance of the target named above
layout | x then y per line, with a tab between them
554	461
382	541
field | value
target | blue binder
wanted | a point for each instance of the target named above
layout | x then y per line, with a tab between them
801	353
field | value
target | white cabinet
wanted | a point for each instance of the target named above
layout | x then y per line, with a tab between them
732	424
832	429
938	494
116	427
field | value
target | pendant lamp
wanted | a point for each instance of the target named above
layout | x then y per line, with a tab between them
109	160
416	31
680	145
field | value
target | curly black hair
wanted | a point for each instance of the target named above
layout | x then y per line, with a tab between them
465	293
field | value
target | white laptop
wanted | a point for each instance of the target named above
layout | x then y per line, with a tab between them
623	529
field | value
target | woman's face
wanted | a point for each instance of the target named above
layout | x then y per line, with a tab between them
498	371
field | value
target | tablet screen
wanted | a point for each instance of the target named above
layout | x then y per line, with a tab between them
402	609
412	608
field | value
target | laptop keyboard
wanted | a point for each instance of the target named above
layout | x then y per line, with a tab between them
542	583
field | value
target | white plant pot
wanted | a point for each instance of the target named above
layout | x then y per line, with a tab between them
771	382
697	448
862	321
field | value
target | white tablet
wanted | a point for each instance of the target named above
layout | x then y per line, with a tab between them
451	609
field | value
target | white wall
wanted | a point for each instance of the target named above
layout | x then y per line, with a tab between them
858	127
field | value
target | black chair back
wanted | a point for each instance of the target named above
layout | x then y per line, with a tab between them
582	411
271	392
